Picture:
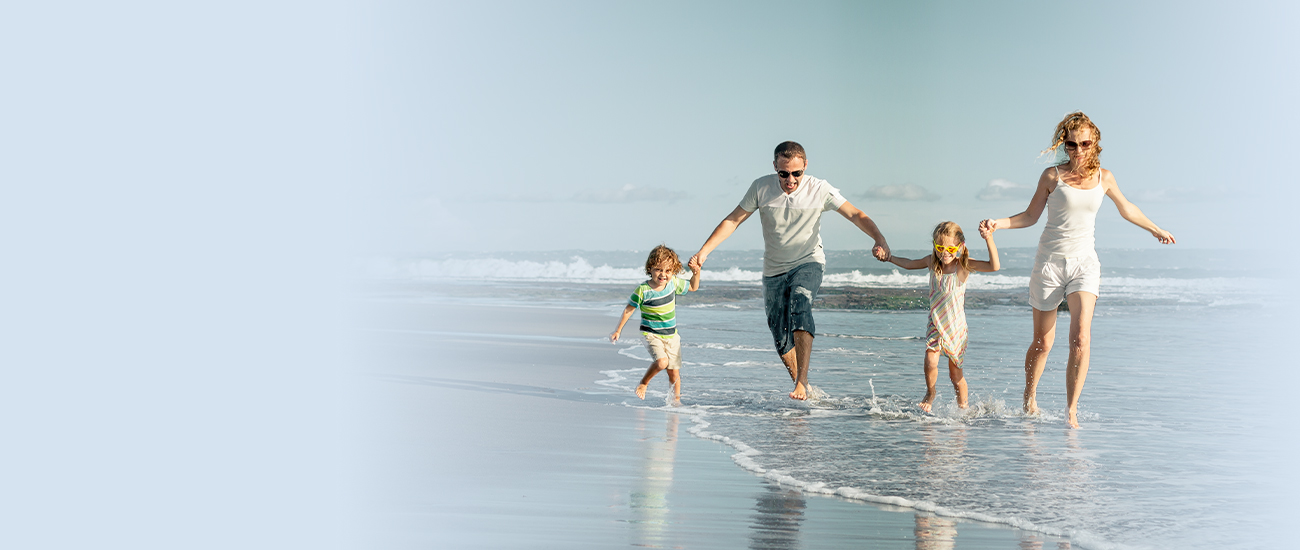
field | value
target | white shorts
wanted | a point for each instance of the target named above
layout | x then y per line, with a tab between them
1056	277
664	348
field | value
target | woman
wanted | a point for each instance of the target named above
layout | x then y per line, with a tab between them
1066	265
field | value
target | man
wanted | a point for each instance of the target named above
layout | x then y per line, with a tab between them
790	204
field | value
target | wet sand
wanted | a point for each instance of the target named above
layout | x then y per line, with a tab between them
480	427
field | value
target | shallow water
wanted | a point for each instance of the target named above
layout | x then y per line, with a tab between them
1175	450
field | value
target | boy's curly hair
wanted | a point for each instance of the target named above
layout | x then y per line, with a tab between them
662	254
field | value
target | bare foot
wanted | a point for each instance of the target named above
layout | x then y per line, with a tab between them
799	392
925	403
961	406
1072	418
640	391
1031	405
677	402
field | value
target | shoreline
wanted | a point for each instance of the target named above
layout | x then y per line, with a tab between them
515	389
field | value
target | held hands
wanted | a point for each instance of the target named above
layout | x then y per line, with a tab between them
985	232
696	262
881	252
988	226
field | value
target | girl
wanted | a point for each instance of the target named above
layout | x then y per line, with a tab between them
950	265
1066	265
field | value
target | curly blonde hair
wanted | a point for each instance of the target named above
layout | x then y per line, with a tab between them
1072	122
661	254
949	229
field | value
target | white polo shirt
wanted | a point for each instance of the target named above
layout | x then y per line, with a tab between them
791	223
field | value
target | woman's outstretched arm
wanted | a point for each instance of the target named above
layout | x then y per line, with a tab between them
1046	183
1130	211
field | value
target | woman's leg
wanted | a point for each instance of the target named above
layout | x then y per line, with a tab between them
931	366
1076	371
1036	357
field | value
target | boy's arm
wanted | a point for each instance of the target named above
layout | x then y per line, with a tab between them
695	278
909	264
627	312
992	264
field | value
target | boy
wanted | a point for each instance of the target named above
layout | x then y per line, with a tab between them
656	300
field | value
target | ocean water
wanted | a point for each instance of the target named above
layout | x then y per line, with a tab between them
1182	444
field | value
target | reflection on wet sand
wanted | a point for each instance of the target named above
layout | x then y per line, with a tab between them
649	500
1030	541
934	533
777	515
1045	470
943	463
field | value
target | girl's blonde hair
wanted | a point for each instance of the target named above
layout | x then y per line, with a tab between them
948	229
662	254
1072	122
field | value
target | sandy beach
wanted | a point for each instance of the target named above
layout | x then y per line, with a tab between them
481	427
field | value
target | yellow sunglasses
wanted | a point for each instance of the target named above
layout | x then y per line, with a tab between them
948	249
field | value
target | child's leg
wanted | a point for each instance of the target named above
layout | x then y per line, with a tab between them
958	382
931	366
654	369
675	378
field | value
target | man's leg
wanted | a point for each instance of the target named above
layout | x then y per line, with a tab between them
802	353
805	281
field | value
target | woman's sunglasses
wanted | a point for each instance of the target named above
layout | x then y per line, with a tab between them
1078	144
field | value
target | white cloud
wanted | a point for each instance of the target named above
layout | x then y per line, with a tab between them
630	193
908	192
1004	190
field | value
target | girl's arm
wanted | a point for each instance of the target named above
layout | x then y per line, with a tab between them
1046	183
910	264
695	277
992	264
1130	211
627	312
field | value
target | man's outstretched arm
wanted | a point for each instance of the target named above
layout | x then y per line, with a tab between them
720	233
863	221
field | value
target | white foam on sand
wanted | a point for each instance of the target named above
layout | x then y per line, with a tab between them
747	458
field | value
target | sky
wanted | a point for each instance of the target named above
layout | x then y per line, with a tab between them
612	126
185	187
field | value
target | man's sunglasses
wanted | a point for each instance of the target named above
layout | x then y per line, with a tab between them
784	174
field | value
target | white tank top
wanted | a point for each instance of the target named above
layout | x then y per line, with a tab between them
1071	220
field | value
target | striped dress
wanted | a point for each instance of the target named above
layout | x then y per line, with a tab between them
947	332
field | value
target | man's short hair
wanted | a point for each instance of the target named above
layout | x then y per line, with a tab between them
790	150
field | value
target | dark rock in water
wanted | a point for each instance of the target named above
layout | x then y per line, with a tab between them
908	298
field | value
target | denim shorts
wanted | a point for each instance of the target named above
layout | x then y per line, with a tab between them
788	299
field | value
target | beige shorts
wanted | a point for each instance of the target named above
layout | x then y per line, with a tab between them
669	348
1056	277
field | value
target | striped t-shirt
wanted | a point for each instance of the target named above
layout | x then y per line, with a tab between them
658	307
